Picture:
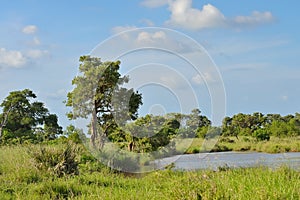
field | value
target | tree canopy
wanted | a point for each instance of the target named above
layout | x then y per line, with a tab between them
261	126
24	119
99	93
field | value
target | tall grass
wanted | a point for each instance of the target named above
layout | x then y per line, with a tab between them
58	161
19	179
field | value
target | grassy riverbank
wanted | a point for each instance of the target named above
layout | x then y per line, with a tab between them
274	145
19	179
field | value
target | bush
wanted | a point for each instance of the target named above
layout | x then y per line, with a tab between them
246	139
202	131
192	150
221	148
57	161
124	163
226	140
261	135
213	132
196	150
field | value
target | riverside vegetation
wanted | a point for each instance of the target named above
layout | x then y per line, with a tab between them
74	174
40	160
246	143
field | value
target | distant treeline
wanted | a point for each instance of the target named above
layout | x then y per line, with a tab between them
152	132
24	120
261	126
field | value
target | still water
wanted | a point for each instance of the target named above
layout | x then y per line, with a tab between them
231	159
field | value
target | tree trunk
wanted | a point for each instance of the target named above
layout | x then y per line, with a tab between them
94	128
4	121
0	131
103	133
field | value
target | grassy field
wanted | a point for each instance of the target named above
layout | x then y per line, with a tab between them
20	179
274	145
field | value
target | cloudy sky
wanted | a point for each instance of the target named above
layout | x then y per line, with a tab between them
250	51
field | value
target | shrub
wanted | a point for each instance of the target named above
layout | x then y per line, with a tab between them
246	139
261	135
213	132
244	148
202	131
124	163
226	140
196	150
57	161
220	148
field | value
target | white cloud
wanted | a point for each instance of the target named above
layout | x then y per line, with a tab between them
36	41
30	29
205	78
12	58
255	19
159	35
154	3
18	59
147	37
119	29
171	81
36	53
185	16
147	22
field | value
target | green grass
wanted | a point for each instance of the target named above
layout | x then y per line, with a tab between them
19	179
274	145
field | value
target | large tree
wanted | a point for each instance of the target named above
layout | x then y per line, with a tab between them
23	118
98	93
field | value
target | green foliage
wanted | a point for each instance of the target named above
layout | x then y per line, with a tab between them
213	132
75	135
124	163
20	180
244	143
58	161
196	124
202	131
280	128
274	124
57	190
51	127
25	120
221	148
146	134
261	135
98	92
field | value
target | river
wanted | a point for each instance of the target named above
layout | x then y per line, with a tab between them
231	159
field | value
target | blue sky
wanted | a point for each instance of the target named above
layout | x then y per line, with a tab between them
255	46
